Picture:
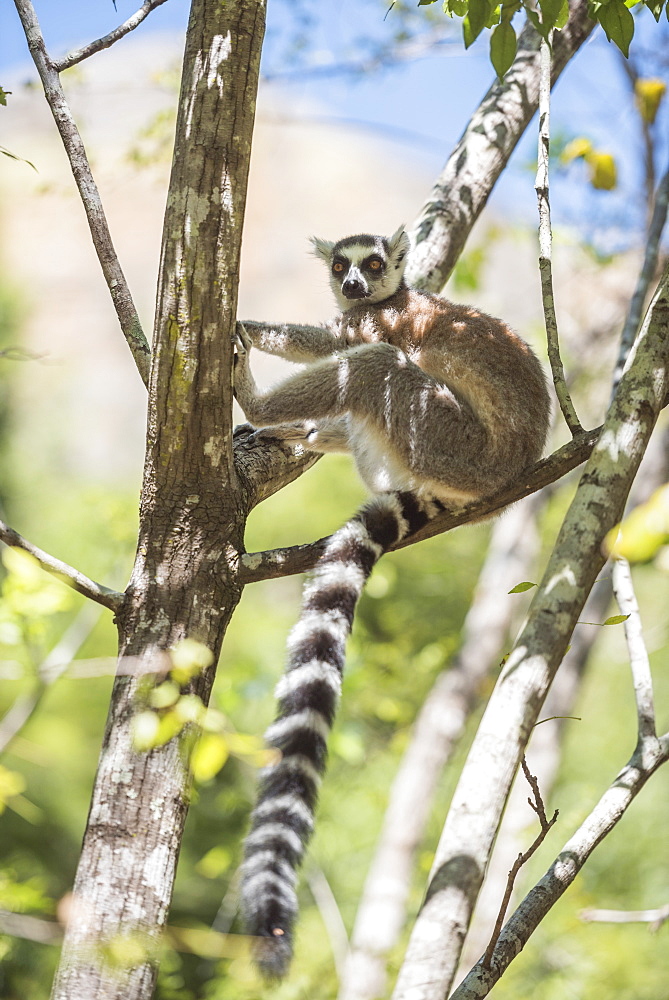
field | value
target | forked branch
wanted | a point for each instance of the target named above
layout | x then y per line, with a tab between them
78	55
545	824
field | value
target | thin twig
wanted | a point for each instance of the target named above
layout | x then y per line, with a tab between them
328	908
639	662
654	917
651	253
648	145
538	806
72	577
546	245
78	55
275	563
90	196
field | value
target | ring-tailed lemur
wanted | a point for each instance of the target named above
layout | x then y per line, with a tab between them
439	404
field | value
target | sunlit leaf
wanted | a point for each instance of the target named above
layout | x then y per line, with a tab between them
209	755
644	531
520	588
603	172
503	45
164	695
189	658
618	24
615	620
576	149
648	94
144	729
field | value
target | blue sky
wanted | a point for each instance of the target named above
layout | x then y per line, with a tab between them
425	104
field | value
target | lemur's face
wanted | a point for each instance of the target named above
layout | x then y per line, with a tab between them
364	268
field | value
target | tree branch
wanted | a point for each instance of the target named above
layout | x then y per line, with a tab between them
462	189
274	563
545	825
90	196
654	917
72	577
639	662
78	55
651	253
546	243
647	758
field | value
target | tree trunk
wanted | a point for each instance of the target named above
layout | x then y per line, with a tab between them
192	514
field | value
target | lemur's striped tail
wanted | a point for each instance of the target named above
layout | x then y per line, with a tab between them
283	819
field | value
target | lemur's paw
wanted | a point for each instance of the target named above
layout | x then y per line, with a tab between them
295	433
241	340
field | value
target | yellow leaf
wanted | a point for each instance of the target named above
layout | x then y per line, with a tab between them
649	94
144	729
644	531
189	658
164	695
209	756
603	173
576	149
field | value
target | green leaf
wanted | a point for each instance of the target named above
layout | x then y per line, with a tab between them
19	159
550	12
476	20
503	45
3	96
616	620
618	24
520	588
535	20
563	16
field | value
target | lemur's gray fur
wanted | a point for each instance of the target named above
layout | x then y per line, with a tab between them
439	404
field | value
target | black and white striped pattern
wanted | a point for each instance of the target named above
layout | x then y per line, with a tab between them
282	821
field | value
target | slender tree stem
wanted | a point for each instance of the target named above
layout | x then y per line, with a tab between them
623	589
651	254
89	588
90	196
546	244
78	55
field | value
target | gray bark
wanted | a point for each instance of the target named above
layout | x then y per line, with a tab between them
192	512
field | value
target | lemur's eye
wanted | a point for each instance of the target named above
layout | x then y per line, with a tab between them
337	267
374	264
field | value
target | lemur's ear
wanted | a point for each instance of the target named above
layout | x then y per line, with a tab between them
322	248
399	244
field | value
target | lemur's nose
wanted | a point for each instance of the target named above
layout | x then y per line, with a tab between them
353	288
